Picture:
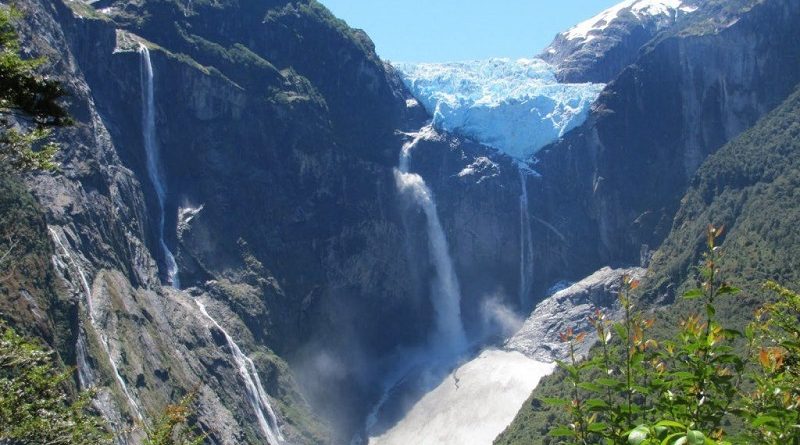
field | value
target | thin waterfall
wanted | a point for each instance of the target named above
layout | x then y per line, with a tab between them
446	291
267	420
83	372
154	170
525	244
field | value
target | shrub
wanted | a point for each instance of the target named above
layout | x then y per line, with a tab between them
639	391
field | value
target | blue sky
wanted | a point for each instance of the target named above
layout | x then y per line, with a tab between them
451	30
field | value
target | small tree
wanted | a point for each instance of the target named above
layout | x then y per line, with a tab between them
34	403
172	427
30	104
773	408
637	391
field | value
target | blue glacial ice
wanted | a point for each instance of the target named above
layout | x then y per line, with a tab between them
516	106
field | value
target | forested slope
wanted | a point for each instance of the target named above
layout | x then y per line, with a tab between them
752	187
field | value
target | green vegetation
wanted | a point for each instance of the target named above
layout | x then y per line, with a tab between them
28	282
29	109
171	428
752	186
691	390
86	10
34	407
38	403
29	104
774	404
317	12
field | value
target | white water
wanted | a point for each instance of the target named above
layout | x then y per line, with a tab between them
449	340
472	405
84	372
85	375
525	244
256	395
154	169
446	295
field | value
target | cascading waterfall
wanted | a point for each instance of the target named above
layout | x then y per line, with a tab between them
455	409
449	340
256	396
154	169
525	244
447	294
85	375
83	371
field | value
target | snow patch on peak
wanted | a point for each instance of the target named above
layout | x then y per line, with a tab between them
516	106
641	9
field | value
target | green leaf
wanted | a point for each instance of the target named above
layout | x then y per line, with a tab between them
620	331
763	420
573	371
607	382
671	424
683	375
638	435
667	439
711	310
590	387
732	333
728	290
561	431
554	401
693	294
596	403
749	332
695	438
597	427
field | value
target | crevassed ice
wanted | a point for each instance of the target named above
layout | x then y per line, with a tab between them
516	106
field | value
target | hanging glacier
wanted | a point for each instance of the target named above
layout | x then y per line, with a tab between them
516	106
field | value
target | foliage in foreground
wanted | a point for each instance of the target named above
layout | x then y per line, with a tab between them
695	389
29	104
34	406
171	428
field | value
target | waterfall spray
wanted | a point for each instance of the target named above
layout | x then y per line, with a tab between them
256	395
154	169
446	291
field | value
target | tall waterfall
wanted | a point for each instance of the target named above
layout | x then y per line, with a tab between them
83	371
256	395
446	292
154	169
525	244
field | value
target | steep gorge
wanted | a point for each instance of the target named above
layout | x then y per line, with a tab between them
296	169
279	131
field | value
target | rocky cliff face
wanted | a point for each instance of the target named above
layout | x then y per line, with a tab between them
599	48
572	308
279	129
623	172
141	344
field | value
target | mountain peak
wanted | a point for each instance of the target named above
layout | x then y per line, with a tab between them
597	49
658	11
